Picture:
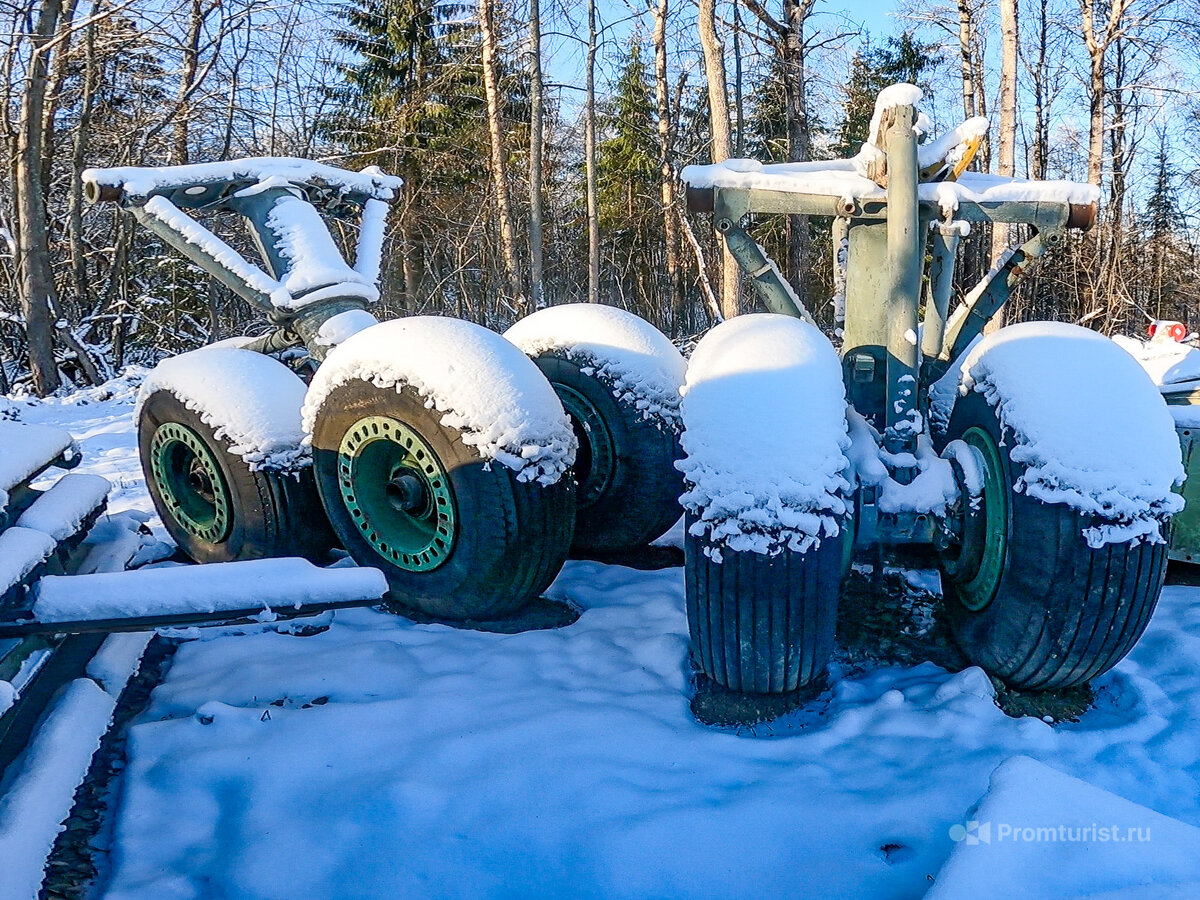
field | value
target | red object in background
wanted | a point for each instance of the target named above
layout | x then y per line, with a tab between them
1168	330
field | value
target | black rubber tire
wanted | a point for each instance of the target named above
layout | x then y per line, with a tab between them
762	624
1062	613
513	535
272	514
641	498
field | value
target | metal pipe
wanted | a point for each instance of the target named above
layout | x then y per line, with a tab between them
905	258
944	252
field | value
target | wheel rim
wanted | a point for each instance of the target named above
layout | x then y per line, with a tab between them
190	482
397	492
979	564
596	457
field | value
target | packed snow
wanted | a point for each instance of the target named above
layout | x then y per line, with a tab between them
1088	425
21	551
846	179
839	179
932	488
481	384
626	353
1027	834
368	250
249	400
889	98
142	181
1171	365
61	511
765	439
339	327
950	147
315	262
27	450
259	584
386	758
38	795
118	659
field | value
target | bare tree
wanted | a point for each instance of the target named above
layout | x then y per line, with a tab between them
491	87
537	140
788	39
589	156
1099	32
718	113
666	166
1007	136
36	275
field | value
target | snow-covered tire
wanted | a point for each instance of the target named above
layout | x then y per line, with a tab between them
494	542
626	482
768	523
618	378
213	504
762	624
1027	598
443	458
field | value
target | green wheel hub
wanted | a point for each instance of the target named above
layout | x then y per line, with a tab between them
980	561
190	482
397	492
596	458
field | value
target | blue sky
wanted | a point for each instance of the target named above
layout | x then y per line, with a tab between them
565	54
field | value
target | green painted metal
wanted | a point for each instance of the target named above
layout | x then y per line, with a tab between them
595	461
191	482
943	253
398	492
905	261
1185	527
978	562
294	326
777	295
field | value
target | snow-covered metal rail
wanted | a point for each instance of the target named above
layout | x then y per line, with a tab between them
304	280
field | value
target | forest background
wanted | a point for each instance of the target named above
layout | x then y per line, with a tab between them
540	142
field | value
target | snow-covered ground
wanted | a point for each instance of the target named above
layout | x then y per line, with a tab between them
383	758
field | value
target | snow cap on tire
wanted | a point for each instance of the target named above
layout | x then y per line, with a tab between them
1090	427
482	384
248	399
630	356
764	412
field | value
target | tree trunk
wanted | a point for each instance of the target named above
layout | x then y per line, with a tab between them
1096	98
966	44
796	14
537	132
1007	137
1040	149
718	108
187	75
33	251
79	144
589	159
491	87
666	167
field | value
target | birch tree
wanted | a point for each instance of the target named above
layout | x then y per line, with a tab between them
499	165
718	113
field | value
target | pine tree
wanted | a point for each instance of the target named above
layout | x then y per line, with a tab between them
901	59
628	179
